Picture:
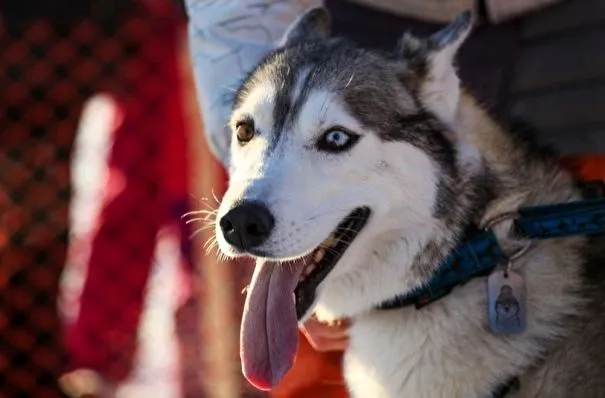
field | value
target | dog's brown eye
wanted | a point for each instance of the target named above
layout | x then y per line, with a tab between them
244	132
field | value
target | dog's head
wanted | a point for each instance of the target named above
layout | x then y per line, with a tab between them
336	154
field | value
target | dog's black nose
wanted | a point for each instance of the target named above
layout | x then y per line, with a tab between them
247	225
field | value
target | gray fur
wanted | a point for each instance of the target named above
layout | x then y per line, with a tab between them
452	32
313	24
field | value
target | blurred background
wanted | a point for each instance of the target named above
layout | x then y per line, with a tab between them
101	154
105	290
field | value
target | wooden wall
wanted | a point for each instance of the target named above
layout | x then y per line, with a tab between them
559	76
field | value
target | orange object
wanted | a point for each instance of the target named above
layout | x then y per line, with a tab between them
314	374
587	167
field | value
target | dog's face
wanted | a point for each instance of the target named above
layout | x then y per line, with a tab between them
338	153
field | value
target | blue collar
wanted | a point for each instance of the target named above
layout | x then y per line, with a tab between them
481	253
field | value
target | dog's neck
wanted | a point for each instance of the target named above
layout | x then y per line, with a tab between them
477	129
471	198
415	253
491	164
489	170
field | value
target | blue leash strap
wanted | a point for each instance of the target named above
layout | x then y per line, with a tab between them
476	257
586	217
481	253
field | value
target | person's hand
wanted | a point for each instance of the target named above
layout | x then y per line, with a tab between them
326	337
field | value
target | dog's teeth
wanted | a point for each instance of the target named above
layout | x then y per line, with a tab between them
329	242
319	254
310	268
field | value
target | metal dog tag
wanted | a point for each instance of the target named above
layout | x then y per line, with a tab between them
506	302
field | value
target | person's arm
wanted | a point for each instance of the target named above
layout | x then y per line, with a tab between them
227	38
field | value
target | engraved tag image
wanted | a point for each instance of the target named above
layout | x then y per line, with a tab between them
506	302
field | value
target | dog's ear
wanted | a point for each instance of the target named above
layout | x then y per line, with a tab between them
315	23
428	65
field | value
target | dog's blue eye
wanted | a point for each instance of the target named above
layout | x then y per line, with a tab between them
336	140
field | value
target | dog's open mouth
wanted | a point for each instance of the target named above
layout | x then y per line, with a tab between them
269	333
323	259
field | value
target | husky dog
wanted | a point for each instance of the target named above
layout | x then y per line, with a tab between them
353	175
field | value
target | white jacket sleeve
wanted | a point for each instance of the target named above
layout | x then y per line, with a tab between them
227	38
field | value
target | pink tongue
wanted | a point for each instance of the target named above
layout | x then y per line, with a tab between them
269	333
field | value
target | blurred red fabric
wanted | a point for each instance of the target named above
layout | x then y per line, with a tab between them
149	160
587	167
